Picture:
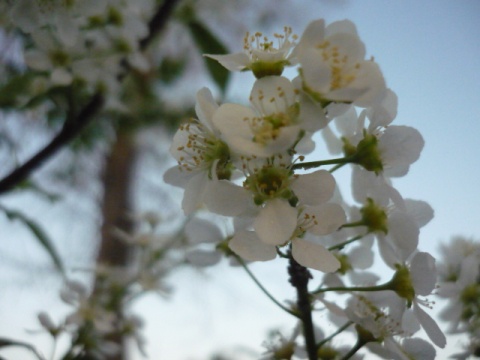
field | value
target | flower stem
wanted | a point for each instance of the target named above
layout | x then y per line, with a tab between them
336	167
353	350
340	330
315	164
343	244
265	291
386	286
353	224
299	277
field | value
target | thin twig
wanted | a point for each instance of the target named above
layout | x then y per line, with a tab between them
265	291
340	330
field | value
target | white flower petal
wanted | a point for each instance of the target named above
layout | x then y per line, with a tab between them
361	257
175	177
329	217
225	198
312	115
276	222
334	144
203	258
384	113
341	26
314	188
247	245
420	210
313	35
306	145
430	326
403	232
194	191
400	145
232	62
202	231
316	74
419	349
314	256
272	95
423	273
205	107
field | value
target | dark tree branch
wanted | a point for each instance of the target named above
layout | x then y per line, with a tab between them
69	131
299	278
73	128
158	22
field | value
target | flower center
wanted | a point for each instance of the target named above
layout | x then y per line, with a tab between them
342	70
305	222
202	149
267	59
268	183
268	127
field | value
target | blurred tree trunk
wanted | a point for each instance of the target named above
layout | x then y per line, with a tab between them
117	204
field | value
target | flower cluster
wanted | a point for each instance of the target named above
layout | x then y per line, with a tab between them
249	163
83	42
460	284
101	314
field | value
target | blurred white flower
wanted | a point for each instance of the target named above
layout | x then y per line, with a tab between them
260	55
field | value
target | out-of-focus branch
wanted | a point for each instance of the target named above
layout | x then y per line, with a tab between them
74	127
158	22
70	130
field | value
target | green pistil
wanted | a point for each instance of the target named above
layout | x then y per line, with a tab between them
269	183
264	68
218	150
374	217
366	153
277	120
280	120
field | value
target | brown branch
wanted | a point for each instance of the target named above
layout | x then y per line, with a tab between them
158	22
72	129
299	278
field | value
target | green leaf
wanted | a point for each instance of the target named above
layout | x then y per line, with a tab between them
210	44
39	234
171	69
14	87
7	342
